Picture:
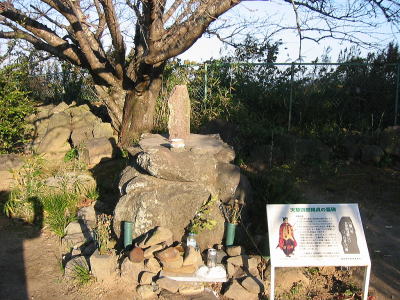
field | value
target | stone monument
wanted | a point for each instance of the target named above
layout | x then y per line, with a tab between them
166	188
179	113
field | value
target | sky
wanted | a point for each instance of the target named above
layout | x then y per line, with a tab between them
276	11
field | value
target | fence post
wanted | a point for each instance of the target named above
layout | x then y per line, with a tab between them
291	97
396	104
205	82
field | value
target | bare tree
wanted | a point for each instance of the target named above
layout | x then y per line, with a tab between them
125	44
78	30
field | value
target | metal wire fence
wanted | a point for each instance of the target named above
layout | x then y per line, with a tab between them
357	95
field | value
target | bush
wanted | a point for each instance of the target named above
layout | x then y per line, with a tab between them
33	202
15	105
60	210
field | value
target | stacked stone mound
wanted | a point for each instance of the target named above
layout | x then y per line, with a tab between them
166	188
59	128
148	269
155	253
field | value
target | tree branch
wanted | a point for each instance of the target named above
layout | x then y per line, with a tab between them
179	37
42	32
116	36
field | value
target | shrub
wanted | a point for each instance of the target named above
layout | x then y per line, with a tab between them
33	202
15	105
81	274
28	184
59	211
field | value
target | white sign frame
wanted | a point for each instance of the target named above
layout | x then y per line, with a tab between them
327	222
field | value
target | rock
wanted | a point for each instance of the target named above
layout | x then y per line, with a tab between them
148	253
88	215
102	266
73	228
227	181
8	163
167	295
59	108
390	140
152	265
76	111
130	271
73	266
146	277
249	263
234	250
179	113
189	289
253	285
146	292
231	270
83	123
371	154
192	257
172	263
126	176
225	155
157	202
244	192
236	292
180	184
136	255
189	269
221	256
42	112
59	120
168	284
76	234
55	143
103	130
178	166
160	235
95	150
196	143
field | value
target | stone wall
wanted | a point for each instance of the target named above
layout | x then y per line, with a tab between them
57	129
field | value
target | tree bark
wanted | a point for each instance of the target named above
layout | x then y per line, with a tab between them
139	109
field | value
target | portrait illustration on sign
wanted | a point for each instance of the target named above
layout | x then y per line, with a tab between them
349	237
287	242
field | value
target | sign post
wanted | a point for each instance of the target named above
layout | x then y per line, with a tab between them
316	235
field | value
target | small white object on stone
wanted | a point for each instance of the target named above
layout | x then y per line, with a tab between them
177	143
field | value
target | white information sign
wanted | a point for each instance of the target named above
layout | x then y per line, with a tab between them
305	235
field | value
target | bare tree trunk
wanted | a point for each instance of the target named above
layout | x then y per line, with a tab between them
114	102
139	110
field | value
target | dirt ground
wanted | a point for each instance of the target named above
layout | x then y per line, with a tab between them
30	260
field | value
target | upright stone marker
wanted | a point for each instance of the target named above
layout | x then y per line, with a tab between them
179	113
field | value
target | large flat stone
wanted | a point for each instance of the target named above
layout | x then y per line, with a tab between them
196	143
179	166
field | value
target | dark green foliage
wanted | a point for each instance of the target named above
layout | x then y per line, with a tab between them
15	105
